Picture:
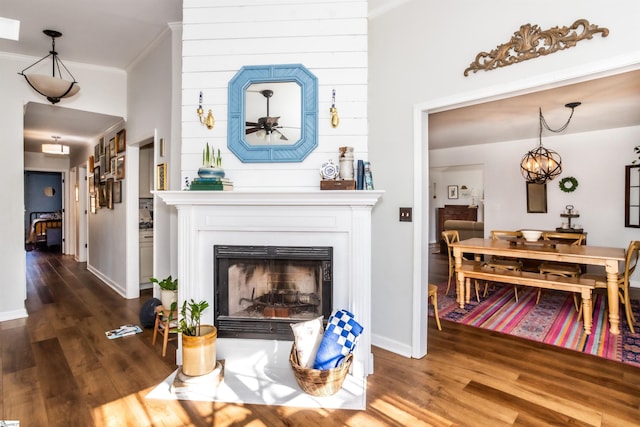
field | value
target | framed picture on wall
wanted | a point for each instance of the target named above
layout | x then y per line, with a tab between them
114	163
121	141
117	192
112	147
96	178
120	167
161	176
109	193
102	194
452	191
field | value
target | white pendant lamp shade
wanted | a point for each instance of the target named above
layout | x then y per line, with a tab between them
54	87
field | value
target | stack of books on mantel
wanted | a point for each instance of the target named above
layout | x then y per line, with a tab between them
211	184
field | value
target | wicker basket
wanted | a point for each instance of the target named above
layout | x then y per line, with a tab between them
318	382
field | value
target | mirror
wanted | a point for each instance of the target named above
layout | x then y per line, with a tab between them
536	198
273	113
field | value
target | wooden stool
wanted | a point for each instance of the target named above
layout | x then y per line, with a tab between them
164	327
433	294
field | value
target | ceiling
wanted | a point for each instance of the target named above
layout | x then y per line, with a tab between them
125	28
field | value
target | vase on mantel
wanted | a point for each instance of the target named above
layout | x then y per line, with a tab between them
205	172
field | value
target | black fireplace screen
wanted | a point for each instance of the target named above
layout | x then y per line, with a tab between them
261	290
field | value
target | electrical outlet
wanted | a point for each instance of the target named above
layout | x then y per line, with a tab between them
406	214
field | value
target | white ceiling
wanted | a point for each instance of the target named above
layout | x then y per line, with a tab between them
116	32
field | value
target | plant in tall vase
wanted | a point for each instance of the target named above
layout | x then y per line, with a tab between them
198	340
168	290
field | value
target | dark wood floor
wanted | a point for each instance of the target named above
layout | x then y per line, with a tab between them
58	369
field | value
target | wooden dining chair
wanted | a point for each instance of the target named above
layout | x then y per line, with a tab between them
449	237
165	327
562	268
631	261
505	263
433	297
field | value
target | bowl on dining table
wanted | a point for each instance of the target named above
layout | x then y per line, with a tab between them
531	235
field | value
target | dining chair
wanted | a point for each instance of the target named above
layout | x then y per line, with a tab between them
165	327
433	296
449	237
631	261
505	263
562	268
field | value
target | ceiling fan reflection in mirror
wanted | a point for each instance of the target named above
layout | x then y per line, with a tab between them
267	125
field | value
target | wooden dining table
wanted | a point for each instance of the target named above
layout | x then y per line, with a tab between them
607	257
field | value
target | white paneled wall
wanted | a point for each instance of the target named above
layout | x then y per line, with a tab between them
329	38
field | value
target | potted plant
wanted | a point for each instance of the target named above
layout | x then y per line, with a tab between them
198	341
211	164
168	290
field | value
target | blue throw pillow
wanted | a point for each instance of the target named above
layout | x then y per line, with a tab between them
339	339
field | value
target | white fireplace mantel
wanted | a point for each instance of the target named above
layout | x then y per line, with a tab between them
340	219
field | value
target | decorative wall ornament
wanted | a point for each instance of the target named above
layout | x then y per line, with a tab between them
530	42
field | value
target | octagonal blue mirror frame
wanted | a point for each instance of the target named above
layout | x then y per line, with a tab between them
291	152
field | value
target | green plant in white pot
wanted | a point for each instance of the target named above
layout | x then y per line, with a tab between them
168	290
198	341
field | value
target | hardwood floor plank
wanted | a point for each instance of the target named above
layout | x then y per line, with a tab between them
16	349
525	407
64	401
21	398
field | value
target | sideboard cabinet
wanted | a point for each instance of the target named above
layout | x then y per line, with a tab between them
464	212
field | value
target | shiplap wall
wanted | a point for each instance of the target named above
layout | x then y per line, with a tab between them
328	37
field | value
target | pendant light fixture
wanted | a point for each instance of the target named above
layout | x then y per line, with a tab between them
56	148
53	87
540	164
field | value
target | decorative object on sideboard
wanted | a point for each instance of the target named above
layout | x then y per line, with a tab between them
569	213
540	164
52	87
530	42
207	120
335	119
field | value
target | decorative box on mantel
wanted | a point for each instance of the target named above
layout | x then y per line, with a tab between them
339	219
341	184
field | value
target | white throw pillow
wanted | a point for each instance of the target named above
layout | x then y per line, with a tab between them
308	336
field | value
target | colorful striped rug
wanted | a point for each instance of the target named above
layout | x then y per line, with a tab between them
553	320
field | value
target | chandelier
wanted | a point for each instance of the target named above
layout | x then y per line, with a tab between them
52	87
540	164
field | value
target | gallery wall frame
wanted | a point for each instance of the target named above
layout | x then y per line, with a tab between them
121	141
161	176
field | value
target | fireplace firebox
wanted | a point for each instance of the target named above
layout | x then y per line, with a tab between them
261	290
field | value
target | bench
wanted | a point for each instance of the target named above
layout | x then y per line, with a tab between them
583	286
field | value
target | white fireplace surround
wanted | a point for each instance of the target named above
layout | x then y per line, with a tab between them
340	219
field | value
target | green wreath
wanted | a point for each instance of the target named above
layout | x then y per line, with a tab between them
568	184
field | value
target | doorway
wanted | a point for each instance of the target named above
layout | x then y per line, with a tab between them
43	215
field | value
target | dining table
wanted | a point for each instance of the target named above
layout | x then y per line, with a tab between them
608	257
